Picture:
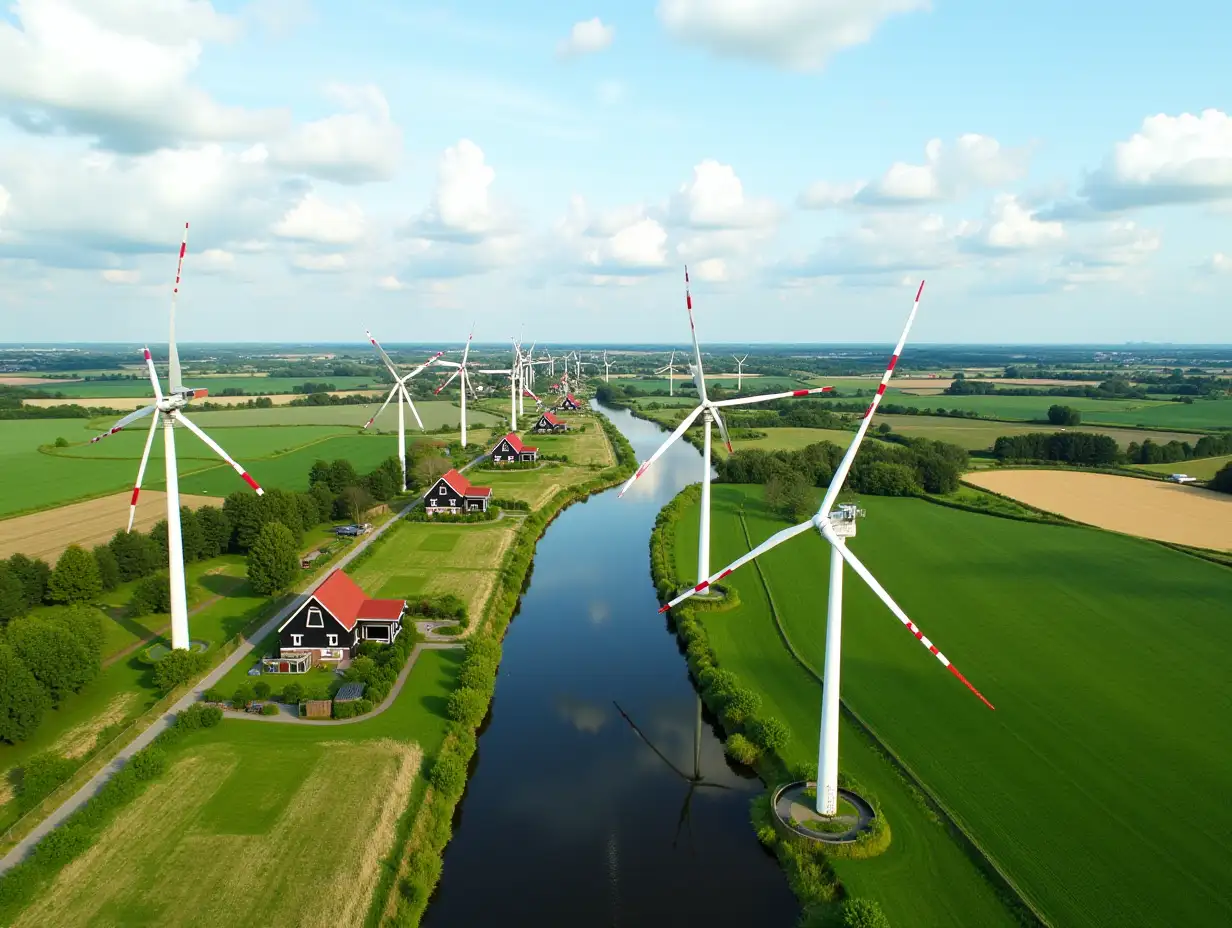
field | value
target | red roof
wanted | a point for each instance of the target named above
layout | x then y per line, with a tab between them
464	487
347	603
516	443
551	419
571	399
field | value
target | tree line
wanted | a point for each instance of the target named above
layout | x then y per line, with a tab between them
1102	450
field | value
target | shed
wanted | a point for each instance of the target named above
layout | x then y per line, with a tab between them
318	708
349	692
306	561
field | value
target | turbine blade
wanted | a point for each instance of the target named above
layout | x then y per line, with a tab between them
414	412
381	351
865	575
175	377
774	540
767	397
449	380
718	420
217	449
145	458
680	429
392	393
127	420
840	474
697	351
149	364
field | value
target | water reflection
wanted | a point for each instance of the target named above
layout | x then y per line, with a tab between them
571	820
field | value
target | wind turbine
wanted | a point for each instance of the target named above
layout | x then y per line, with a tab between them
399	390
836	526
708	409
512	372
740	370
167	409
670	370
460	372
607	366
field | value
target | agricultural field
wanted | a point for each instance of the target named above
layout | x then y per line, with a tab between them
751	382
46	534
784	439
257	385
1185	515
434	413
979	434
1202	468
136	402
589	447
1059	626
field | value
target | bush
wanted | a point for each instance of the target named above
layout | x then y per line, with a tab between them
76	578
478	673
148	763
243	696
292	693
742	703
214	694
862	913
261	689
273	559
152	595
448	774
178	667
198	716
344	710
769	734
468	706
270	708
741	749
40	775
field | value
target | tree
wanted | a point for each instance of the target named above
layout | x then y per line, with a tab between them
324	498
12	594
33	574
342	474
769	734
243	514
354	503
192	536
273	560
59	660
467	706
380	486
178	667
318	473
108	567
22	699
76	578
428	468
1222	481
790	493
215	531
862	913
136	554
158	535
152	595
1064	415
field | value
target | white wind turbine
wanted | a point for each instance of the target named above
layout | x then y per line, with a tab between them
513	373
399	390
740	370
462	373
836	526
708	409
607	366
670	369
167	409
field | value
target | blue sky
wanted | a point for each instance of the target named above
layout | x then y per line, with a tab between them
1058	172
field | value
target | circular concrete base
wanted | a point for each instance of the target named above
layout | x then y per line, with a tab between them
714	594
156	652
797	811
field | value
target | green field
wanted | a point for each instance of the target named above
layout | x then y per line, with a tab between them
256	386
771	384
785	439
979	434
1098	784
434	413
1202	468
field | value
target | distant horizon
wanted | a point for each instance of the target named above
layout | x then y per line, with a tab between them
610	346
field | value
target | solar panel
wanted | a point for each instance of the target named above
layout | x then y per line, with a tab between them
349	691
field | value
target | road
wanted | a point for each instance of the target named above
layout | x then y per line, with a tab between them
161	724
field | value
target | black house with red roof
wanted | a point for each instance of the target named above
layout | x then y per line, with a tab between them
335	618
569	402
549	423
454	494
510	450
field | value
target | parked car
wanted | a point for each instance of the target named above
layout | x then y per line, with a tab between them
350	531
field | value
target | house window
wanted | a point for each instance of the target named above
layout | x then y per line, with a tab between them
442	489
314	618
297	640
333	640
453	502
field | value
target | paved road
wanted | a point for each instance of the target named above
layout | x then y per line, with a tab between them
95	783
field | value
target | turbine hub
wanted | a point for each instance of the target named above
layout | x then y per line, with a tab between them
843	519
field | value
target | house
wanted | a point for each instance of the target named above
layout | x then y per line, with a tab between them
569	402
453	493
331	622
549	423
510	450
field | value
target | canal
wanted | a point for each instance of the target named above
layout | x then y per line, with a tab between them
580	810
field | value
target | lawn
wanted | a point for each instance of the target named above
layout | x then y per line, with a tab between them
1092	646
96	390
588	447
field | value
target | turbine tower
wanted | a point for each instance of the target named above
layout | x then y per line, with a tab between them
670	370
607	366
836	525
463	373
512	374
399	390
708	409
168	409
740	371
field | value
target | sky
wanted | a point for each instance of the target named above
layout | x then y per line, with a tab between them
1058	172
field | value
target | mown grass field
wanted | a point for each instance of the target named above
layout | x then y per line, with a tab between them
256	386
1202	468
785	439
1098	783
434	413
979	434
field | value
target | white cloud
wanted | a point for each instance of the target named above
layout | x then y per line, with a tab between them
973	161
883	246
320	263
118	73
214	261
314	220
280	17
715	199
360	145
462	209
118	276
1218	263
1012	227
390	282
585	38
611	247
712	270
1171	159
800	35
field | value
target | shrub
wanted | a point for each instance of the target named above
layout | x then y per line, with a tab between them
468	706
40	775
178	667
270	708
478	674
862	913
214	694
198	716
448	774
293	693
152	595
148	763
243	696
363	706
769	734
484	645
343	710
261	689
740	749
740	704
